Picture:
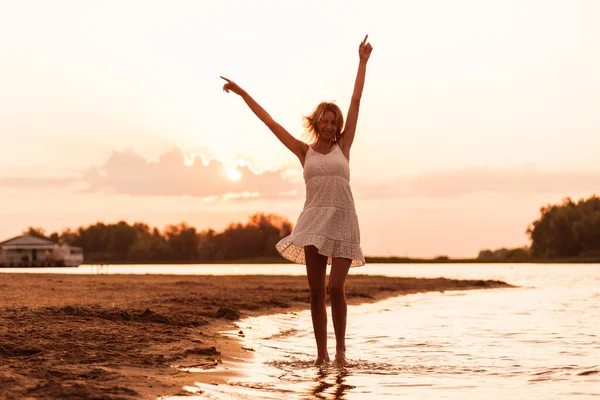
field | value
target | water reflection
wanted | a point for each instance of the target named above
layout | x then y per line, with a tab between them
325	375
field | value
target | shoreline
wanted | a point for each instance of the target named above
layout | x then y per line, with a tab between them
119	336
368	259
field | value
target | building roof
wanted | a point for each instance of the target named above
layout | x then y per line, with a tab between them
27	242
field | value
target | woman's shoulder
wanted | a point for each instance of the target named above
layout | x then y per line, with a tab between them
304	146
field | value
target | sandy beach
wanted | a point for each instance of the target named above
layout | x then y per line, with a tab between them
123	336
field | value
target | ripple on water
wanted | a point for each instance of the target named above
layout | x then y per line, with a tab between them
282	334
295	364
590	372
534	342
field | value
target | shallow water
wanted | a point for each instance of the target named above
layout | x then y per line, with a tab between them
539	341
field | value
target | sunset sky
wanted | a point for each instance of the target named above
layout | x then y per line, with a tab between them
474	113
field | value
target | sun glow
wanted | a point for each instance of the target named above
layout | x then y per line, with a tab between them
233	174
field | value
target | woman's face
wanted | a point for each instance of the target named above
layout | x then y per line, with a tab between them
327	127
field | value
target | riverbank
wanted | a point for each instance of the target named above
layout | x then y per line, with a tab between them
368	259
120	336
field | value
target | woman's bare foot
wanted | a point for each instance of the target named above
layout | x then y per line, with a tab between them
321	360
340	359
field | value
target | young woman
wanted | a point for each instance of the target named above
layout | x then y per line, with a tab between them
327	230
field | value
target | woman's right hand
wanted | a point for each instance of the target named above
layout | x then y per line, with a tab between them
231	85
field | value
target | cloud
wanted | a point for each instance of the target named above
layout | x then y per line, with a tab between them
126	172
129	173
483	180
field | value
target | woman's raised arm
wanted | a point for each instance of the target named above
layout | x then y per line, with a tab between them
347	137
296	146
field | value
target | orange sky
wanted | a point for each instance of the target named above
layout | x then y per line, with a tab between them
474	114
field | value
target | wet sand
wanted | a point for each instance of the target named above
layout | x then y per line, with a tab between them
122	336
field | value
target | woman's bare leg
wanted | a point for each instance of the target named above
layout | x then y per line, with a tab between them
339	306
316	268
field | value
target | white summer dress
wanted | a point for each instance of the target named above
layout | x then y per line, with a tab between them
328	220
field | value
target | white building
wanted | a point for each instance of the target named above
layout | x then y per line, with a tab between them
31	251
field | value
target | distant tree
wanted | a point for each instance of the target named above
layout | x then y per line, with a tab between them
503	254
207	245
69	237
121	237
36	232
519	254
485	254
256	238
182	241
93	239
567	230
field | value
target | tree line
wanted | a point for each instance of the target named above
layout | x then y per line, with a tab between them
570	230
139	243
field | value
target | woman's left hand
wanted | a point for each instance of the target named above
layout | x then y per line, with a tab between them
364	50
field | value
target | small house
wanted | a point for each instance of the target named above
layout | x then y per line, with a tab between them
31	251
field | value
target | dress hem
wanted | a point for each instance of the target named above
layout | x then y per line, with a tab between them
292	248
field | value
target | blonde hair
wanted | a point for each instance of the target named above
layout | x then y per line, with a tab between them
311	121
